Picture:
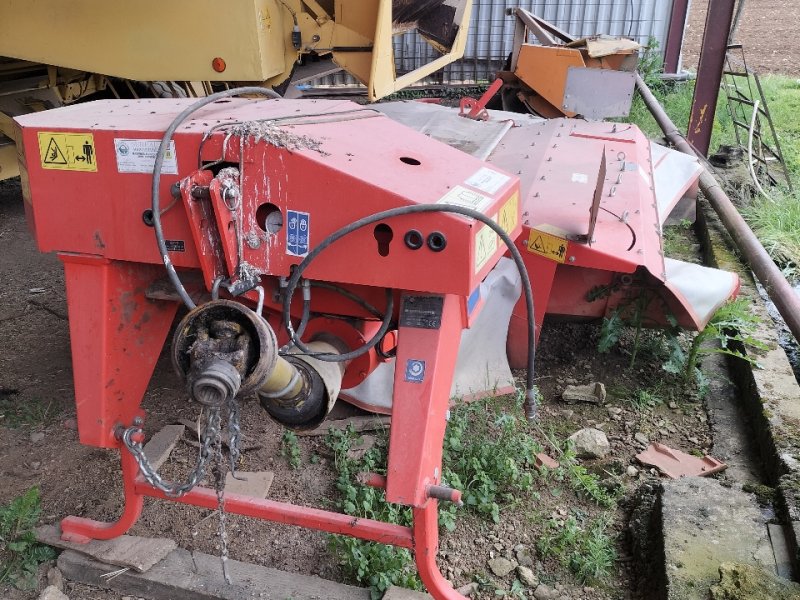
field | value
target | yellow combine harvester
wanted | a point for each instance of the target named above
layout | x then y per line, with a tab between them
56	53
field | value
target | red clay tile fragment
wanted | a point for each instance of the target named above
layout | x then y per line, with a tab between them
542	460
675	464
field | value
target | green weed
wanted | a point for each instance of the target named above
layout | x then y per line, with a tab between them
375	565
776	222
490	456
644	399
290	449
583	546
17	412
730	331
20	553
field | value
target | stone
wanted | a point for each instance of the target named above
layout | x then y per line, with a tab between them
746	582
37	436
468	590
501	566
544	592
51	592
590	443
527	577
523	556
632	471
594	393
55	578
361	447
641	438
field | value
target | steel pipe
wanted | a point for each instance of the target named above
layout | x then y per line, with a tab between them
778	288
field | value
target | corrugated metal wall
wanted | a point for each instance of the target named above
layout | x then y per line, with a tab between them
492	32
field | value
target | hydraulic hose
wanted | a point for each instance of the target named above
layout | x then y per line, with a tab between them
530	388
159	165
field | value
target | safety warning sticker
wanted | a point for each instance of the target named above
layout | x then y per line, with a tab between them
298	231
67	151
139	156
547	245
487	180
508	217
461	196
485	246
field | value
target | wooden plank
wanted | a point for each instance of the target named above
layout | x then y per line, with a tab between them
184	575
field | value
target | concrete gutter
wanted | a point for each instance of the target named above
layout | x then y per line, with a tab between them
770	394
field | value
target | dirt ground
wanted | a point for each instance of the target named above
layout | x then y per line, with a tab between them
768	30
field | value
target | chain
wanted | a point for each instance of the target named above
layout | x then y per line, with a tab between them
151	476
210	452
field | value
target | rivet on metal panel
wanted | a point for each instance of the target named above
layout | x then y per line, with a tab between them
525	243
541	178
536	195
549	159
571	259
218	64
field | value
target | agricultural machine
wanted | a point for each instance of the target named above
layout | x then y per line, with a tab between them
392	255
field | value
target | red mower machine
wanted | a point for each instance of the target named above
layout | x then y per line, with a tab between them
326	250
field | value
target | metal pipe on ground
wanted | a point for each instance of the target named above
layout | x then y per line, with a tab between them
778	288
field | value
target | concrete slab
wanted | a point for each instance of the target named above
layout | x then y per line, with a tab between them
158	449
184	575
253	484
705	524
769	394
780	550
130	551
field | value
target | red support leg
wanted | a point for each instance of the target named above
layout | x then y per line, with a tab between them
426	545
116	336
426	360
81	530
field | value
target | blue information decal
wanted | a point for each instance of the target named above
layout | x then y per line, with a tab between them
415	370
298	231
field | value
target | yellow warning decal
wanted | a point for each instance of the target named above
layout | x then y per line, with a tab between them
485	246
67	151
508	217
547	245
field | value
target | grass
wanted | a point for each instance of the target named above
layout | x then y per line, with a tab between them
17	412
20	553
490	455
775	221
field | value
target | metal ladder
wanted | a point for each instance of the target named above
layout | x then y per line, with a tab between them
741	85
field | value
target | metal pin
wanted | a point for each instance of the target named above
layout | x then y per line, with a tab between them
624	217
612	192
619	178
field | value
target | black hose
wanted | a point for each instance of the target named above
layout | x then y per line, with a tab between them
329	357
159	164
530	391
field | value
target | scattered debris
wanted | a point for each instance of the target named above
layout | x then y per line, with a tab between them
527	577
158	449
55	578
632	471
51	592
524	557
255	485
138	553
676	464
590	443
358	424
361	447
594	393
543	460
501	566
641	438
545	592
